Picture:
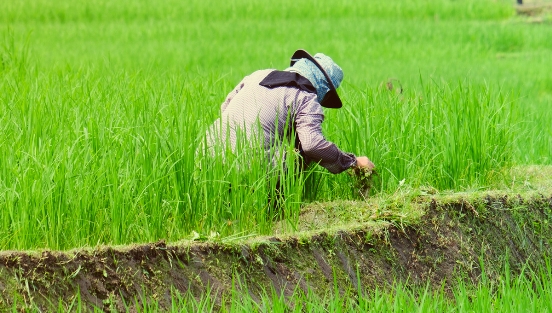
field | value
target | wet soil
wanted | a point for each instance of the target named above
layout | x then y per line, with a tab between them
449	243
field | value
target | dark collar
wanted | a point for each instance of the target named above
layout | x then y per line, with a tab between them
287	79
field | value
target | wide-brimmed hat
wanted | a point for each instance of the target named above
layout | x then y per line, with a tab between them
331	98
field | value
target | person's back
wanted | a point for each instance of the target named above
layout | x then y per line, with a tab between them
260	115
267	107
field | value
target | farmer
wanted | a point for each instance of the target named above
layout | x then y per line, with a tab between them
271	104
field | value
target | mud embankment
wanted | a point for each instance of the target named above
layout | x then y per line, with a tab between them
450	242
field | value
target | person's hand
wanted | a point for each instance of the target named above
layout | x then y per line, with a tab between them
364	162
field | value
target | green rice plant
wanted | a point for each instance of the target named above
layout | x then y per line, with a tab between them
104	105
116	162
120	166
449	136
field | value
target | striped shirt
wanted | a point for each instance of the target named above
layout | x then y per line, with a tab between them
251	109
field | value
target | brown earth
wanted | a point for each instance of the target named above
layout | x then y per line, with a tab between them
449	242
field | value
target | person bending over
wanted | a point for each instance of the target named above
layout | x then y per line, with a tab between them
271	104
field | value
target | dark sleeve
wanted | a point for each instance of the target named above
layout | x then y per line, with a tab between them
308	123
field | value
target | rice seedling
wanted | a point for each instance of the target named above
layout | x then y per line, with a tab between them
103	108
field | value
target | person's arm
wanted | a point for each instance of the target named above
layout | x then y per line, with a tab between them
308	122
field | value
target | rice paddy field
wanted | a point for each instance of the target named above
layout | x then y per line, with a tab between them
104	107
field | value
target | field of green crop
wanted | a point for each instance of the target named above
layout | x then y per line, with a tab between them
103	106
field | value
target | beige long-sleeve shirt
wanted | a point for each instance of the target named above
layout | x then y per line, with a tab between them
251	108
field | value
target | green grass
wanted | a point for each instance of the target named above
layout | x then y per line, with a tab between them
104	105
